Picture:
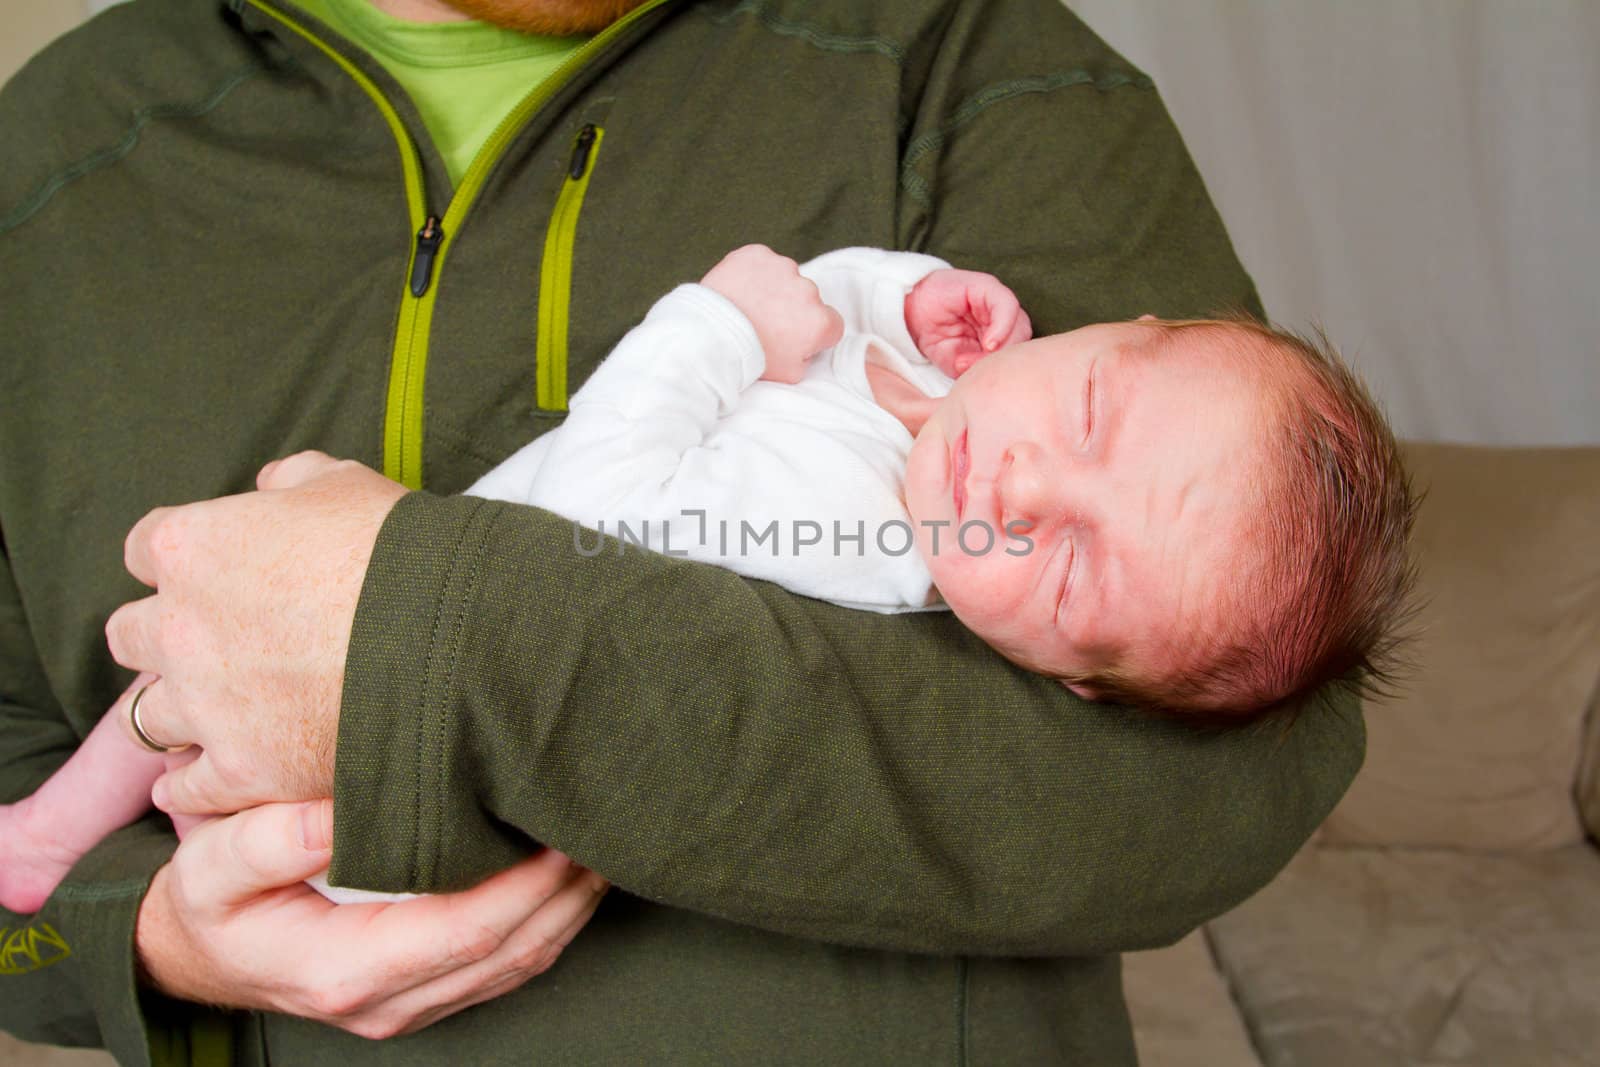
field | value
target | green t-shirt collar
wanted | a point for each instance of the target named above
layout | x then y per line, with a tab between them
434	44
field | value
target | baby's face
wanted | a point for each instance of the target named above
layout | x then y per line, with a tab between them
1123	455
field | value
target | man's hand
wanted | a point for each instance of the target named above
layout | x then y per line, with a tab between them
248	629
956	317
791	321
229	921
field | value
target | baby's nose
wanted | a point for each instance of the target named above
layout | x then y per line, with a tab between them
1027	484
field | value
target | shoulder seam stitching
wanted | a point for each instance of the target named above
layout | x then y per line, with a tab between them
916	186
142	117
825	40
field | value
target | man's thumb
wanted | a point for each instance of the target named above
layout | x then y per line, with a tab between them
265	848
316	825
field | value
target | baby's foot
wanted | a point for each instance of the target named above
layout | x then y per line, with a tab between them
30	867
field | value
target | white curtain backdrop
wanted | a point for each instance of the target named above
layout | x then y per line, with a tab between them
1420	176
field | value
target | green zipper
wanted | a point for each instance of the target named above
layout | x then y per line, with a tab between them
555	274
402	426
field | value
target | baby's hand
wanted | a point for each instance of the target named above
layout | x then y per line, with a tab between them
956	317
791	321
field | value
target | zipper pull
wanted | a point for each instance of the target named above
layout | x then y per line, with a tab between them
580	152
428	241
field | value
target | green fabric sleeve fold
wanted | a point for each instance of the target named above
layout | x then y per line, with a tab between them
725	746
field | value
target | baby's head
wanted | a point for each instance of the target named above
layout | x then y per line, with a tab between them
1199	518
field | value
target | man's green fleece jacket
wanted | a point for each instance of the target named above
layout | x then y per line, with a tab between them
837	837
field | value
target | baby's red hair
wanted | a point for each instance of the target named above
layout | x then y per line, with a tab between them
1325	573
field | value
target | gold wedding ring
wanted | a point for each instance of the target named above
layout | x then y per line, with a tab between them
138	727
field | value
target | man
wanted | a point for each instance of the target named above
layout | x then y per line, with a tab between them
226	236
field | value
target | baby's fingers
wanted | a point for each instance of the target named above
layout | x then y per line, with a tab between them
1008	325
830	329
1004	322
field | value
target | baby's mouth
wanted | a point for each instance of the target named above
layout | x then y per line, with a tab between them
959	465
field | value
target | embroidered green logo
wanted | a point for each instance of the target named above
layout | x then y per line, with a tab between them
31	948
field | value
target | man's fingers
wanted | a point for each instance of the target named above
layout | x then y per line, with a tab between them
123	705
189	790
158	718
265	473
538	942
432	936
577	904
559	919
133	635
264	848
290	471
422	957
139	553
385	968
528	951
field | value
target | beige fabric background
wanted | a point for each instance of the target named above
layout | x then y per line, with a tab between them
1589	776
1419	958
29	24
1481	750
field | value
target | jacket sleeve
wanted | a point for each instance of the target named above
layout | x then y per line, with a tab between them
724	746
67	973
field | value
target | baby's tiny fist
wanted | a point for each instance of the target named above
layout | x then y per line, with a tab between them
956	317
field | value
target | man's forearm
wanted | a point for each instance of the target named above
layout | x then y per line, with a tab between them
728	747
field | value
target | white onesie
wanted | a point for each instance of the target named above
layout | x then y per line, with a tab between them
673	442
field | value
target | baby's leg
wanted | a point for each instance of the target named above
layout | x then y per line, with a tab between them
105	785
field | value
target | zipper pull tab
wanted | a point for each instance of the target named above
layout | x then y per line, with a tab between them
428	241
580	152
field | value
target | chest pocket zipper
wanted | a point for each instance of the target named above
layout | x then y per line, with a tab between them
555	274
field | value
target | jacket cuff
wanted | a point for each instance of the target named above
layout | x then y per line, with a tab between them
87	930
397	727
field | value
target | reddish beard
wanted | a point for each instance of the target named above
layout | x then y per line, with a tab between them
555	17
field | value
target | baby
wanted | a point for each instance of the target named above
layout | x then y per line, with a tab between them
1204	519
1201	518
